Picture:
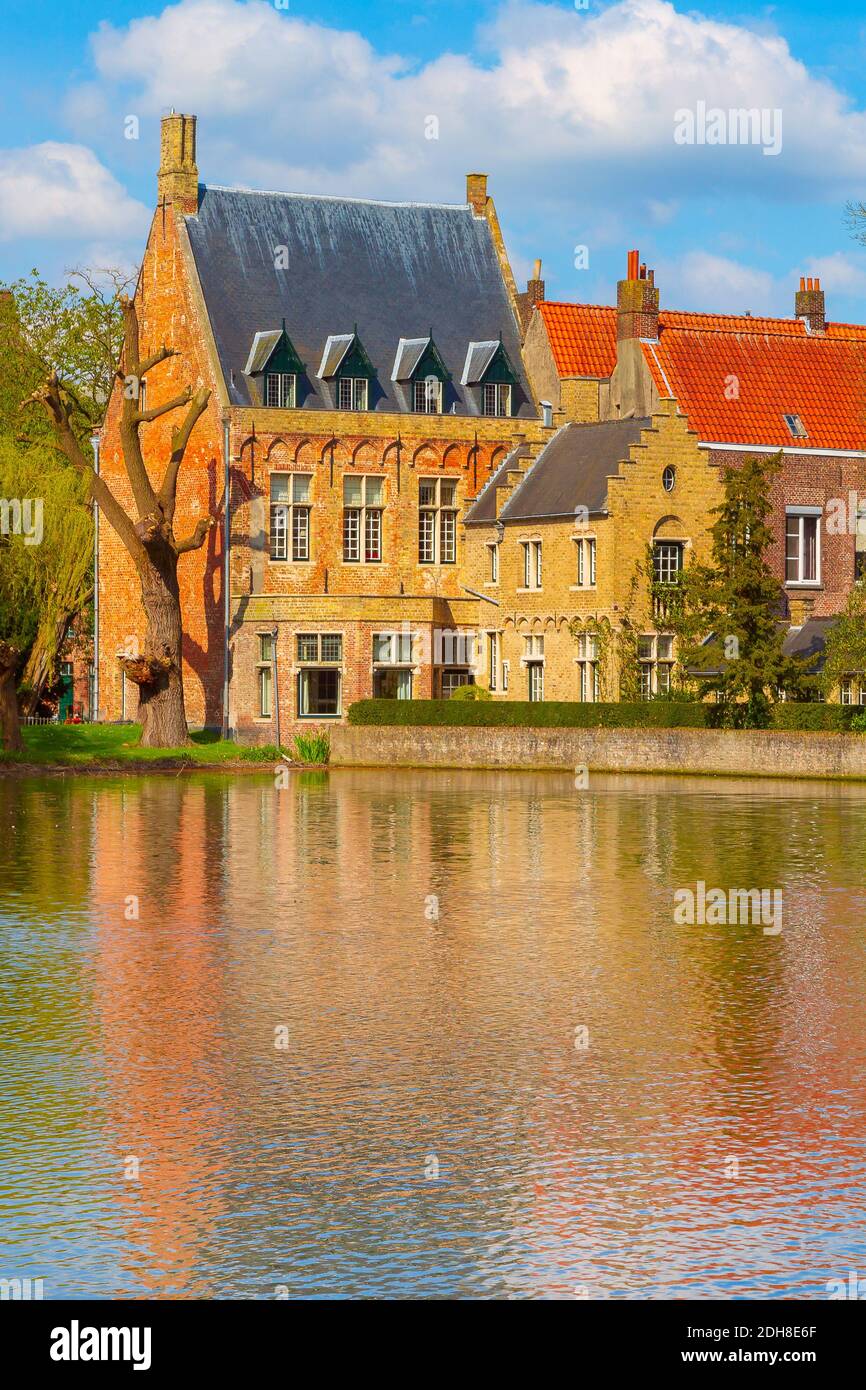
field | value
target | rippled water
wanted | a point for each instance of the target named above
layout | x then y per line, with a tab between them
326	1090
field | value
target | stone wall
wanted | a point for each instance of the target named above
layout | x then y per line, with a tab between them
756	753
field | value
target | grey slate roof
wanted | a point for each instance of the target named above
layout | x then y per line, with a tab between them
394	269
483	509
809	640
572	470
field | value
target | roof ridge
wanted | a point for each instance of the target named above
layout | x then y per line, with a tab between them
333	197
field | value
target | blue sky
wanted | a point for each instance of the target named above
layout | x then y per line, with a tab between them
571	111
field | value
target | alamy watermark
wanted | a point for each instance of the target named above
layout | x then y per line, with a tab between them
22	516
737	126
718	907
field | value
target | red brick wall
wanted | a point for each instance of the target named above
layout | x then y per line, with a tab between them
813	480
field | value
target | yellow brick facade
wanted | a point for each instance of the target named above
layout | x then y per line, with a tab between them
640	511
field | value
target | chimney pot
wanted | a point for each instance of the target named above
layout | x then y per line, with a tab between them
809	304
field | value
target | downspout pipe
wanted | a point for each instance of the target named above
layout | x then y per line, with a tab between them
94	691
227	538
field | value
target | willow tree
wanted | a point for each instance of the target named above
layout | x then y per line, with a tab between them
147	533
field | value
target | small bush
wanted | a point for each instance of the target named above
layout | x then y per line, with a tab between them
858	723
313	748
471	692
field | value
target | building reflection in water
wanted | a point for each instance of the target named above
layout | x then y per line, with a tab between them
451	1036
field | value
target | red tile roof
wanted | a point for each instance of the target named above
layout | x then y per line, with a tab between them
734	376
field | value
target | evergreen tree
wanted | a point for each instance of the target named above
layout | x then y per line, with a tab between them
728	618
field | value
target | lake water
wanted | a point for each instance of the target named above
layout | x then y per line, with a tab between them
429	1034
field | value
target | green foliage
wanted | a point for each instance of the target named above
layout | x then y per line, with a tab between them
845	650
74	329
552	714
656	714
858	723
727	617
470	692
316	747
40	582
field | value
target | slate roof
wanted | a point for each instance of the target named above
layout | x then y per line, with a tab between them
483	509
780	368
572	470
809	640
394	269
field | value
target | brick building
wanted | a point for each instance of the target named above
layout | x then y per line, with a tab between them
742	385
366	371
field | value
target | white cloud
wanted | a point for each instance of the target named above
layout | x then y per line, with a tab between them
59	190
840	273
716	284
579	103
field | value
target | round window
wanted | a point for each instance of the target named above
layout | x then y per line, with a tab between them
669	477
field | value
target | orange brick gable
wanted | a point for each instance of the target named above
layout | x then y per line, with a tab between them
733	376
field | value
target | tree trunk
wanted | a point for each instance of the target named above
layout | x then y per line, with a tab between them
158	671
10	723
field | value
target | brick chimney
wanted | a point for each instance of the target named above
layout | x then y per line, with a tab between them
177	181
809	304
535	286
632	393
476	193
637	303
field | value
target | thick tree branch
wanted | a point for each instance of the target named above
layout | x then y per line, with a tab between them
179	441
154	360
142	488
157	410
196	540
51	398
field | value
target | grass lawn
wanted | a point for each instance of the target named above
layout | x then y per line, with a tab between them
69	745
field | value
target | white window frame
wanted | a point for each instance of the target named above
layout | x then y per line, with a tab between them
353	393
532	566
280	390
535	675
587	665
800	514
399	648
493	551
586	561
430	399
290	522
437	523
360	522
496	398
492	658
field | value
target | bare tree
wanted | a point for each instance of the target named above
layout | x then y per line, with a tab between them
149	538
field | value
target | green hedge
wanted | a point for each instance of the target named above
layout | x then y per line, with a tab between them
824	718
540	714
553	714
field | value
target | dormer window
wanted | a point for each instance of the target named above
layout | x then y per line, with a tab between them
796	428
275	368
497	398
281	390
352	393
488	369
427	396
419	368
347	366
